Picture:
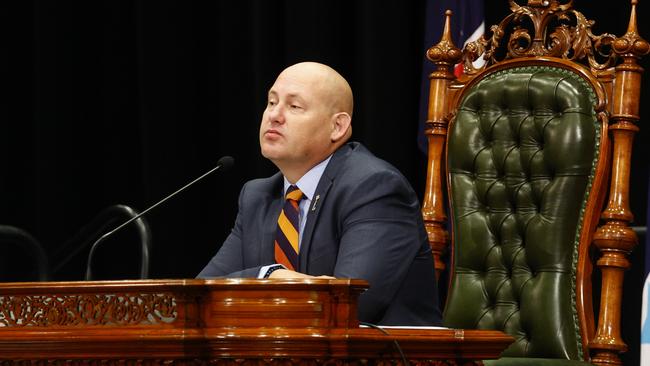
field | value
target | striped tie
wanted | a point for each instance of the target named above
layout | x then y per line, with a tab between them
286	238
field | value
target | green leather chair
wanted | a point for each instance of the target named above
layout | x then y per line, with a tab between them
522	157
526	145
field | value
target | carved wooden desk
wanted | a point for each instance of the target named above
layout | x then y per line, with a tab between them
233	322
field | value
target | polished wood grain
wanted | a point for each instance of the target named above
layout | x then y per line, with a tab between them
444	55
554	33
234	322
615	239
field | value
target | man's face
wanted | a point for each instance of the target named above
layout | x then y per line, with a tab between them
297	122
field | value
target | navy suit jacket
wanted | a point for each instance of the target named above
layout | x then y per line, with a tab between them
364	222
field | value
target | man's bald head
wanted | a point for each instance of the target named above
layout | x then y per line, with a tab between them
333	87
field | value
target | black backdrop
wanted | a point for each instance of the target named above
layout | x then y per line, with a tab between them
124	101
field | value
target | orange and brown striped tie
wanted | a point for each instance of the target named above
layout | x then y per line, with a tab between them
287	235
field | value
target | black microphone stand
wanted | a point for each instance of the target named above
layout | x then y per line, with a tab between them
225	163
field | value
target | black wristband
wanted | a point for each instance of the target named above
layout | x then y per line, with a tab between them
273	269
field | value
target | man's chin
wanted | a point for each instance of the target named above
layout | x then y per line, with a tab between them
271	154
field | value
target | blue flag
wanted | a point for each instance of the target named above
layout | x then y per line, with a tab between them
645	324
467	24
647	237
645	299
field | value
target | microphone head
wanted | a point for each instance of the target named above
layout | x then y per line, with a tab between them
226	162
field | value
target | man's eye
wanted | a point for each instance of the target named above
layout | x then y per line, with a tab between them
295	106
271	103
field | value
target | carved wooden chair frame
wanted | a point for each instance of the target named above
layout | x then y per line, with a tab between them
554	31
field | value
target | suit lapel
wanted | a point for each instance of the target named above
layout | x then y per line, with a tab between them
270	223
312	218
318	201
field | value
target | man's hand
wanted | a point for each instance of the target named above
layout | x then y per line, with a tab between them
285	273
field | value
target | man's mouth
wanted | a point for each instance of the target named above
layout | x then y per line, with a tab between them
272	133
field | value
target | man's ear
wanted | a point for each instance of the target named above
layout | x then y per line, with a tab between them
341	124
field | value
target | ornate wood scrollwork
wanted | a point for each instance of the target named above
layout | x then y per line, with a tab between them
542	28
89	309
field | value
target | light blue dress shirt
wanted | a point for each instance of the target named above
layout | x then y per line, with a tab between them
307	185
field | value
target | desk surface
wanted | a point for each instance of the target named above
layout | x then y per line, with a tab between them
224	321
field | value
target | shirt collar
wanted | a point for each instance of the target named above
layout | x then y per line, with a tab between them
309	182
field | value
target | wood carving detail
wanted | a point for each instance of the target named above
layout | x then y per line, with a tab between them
104	362
543	28
89	309
235	362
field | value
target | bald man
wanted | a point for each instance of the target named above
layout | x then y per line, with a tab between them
333	209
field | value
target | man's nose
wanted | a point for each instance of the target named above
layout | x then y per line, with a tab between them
276	114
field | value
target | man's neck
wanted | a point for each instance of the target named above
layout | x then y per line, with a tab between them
309	181
294	174
294	171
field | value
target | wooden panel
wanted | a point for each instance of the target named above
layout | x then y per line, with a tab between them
213	321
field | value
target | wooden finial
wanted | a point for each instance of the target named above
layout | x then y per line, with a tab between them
631	42
632	25
445	52
446	33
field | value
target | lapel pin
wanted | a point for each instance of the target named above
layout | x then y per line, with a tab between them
313	207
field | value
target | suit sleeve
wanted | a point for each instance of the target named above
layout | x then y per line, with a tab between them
229	260
380	237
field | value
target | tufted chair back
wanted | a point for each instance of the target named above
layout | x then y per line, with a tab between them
528	146
522	156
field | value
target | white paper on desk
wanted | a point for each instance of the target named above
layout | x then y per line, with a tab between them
403	327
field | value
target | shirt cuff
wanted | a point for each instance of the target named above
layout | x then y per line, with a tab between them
266	271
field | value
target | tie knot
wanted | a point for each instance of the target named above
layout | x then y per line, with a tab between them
293	193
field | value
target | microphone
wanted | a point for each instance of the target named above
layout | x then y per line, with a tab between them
224	163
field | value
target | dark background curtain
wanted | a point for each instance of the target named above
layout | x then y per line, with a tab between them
125	101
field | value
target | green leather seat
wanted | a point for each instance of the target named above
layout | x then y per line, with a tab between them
522	151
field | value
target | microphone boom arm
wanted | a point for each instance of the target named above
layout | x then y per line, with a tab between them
224	162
